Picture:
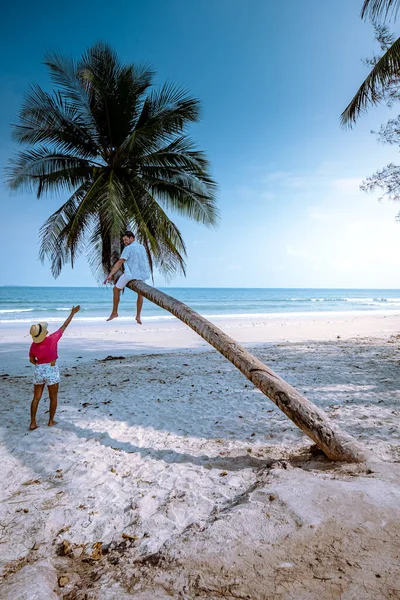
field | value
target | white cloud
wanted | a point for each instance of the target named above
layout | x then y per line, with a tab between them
323	178
347	185
321	216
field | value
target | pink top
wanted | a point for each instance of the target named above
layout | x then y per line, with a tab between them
46	351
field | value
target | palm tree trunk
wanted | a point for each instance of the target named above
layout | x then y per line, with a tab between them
115	255
115	247
336	444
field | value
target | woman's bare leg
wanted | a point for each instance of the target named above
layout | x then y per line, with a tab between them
37	394
53	395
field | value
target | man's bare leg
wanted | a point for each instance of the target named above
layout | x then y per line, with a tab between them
139	305
53	395
37	394
116	299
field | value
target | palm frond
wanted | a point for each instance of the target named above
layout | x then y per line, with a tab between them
189	196
54	233
41	170
98	252
53	119
175	101
112	206
369	92
180	153
64	73
165	114
115	90
377	10
155	230
90	202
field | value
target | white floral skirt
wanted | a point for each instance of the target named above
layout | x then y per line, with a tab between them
46	375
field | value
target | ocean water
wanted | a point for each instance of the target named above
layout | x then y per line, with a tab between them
52	304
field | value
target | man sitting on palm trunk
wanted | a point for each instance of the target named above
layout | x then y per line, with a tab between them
136	266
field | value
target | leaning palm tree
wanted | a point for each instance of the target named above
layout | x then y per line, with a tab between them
123	154
122	151
384	69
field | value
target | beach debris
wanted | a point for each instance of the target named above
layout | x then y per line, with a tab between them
77	551
131	538
64	549
113	358
63	580
97	553
31	482
223	474
286	565
105	548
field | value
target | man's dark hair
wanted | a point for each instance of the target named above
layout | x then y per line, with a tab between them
129	234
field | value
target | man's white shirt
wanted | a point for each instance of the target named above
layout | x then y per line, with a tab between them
136	264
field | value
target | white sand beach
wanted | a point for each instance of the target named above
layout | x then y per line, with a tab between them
170	476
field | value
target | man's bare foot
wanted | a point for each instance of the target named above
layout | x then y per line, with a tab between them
112	316
52	423
33	426
138	320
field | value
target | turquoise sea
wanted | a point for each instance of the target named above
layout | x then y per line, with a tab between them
52	304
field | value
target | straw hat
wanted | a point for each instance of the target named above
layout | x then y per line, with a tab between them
38	332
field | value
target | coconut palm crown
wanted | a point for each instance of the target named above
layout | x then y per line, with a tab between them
383	71
121	150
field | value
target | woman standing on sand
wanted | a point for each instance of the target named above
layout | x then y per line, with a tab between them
43	354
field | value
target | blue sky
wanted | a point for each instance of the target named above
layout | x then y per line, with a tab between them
273	79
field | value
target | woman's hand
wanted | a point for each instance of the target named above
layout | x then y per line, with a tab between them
75	309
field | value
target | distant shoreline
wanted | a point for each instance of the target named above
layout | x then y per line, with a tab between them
24	305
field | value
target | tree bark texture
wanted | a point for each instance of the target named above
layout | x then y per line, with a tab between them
115	249
335	443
